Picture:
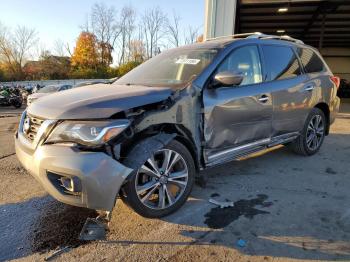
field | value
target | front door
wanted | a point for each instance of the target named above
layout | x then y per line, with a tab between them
237	118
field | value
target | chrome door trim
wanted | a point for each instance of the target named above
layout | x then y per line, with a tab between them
281	139
263	99
309	88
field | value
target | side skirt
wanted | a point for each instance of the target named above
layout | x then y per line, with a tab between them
247	149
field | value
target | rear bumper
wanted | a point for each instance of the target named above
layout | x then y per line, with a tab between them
99	175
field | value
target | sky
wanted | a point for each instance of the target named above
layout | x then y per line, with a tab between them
60	19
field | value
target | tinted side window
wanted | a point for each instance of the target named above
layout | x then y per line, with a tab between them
244	60
281	62
311	61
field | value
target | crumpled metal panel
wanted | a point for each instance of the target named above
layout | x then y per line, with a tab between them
185	112
96	101
235	116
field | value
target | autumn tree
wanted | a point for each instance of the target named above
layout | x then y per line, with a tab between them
85	53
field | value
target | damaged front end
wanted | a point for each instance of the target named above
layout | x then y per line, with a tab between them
152	129
86	162
100	135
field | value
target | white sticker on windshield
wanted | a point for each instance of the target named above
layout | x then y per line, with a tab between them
187	61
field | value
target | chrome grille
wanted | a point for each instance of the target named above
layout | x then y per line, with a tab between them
31	126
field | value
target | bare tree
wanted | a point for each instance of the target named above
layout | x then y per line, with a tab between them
15	47
59	48
38	50
23	40
154	22
173	29
191	35
105	28
86	26
126	28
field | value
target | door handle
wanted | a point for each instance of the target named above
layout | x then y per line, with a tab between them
263	99
309	88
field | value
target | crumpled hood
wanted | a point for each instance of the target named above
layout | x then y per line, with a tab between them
95	101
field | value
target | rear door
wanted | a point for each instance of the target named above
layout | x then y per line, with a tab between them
289	89
237	118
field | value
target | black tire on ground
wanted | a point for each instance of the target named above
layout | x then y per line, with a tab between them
300	145
131	198
17	104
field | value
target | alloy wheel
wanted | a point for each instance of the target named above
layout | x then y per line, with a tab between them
315	132
162	179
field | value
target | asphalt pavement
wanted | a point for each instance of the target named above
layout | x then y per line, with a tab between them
286	207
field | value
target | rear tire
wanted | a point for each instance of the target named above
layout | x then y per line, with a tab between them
312	135
152	191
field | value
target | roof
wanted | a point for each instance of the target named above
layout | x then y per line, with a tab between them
303	20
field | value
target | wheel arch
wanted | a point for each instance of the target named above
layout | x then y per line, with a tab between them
181	133
325	109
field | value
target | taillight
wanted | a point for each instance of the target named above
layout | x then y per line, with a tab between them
336	81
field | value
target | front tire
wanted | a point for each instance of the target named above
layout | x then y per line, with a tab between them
312	135
163	183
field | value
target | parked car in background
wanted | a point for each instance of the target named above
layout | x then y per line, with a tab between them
46	90
146	136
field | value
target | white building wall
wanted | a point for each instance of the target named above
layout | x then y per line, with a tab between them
219	18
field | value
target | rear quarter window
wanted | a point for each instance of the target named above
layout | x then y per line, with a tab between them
281	62
311	61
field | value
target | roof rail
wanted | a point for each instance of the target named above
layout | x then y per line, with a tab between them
234	36
278	37
257	35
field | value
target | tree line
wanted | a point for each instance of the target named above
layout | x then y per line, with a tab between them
108	36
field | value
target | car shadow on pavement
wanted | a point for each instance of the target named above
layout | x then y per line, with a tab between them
16	223
285	206
39	224
282	208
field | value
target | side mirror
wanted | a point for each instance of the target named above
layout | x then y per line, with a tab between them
227	78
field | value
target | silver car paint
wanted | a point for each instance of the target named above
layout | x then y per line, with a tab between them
217	122
233	116
96	101
101	175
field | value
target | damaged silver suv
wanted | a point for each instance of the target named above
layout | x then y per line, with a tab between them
145	136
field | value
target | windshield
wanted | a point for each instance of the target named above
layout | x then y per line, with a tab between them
48	89
173	68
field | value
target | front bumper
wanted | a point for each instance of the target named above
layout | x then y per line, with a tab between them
99	175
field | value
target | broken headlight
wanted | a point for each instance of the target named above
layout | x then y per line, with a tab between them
90	133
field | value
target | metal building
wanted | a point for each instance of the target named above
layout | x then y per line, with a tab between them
322	24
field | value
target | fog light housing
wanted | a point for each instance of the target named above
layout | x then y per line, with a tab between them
68	185
71	184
